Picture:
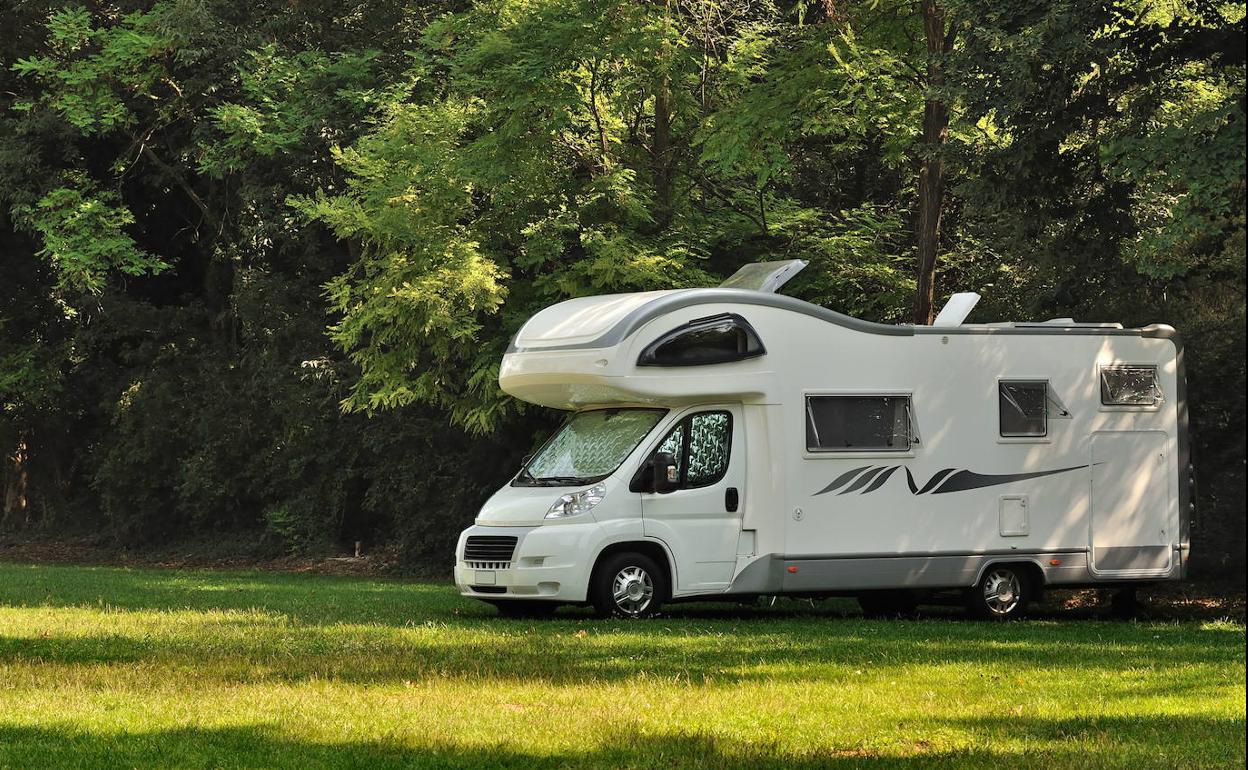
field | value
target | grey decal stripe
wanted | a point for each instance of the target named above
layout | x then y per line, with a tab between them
842	480
862	481
879	480
941	482
934	480
964	480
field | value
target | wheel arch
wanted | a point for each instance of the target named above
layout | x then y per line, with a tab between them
1030	567
655	549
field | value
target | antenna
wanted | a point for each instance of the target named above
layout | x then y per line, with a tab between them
957	309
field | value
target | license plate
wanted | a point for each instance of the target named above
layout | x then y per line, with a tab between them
486	577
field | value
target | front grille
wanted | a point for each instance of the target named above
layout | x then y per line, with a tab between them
493	549
490	589
487	564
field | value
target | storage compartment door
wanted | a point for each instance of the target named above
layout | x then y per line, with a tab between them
1131	531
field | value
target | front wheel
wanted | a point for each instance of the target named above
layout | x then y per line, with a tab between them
628	585
1001	594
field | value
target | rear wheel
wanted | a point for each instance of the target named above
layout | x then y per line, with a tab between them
628	585
1001	594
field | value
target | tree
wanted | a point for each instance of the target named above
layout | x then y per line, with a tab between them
939	38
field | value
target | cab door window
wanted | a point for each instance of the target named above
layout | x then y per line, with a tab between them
710	440
701	444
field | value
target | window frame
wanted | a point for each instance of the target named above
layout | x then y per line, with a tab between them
914	437
648	355
685	421
1000	414
1159	395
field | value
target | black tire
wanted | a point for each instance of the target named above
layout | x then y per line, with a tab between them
1003	593
525	608
628	585
888	604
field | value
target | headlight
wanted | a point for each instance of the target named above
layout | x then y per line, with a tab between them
576	503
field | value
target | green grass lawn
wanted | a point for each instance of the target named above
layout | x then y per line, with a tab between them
105	667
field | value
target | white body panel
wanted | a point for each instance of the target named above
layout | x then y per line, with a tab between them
1101	497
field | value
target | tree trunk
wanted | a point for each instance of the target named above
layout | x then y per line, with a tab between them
16	505
931	163
661	151
664	182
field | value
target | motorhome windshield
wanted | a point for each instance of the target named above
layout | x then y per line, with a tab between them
589	447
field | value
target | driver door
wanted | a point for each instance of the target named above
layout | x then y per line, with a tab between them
700	520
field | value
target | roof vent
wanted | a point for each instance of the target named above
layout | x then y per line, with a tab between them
957	309
764	276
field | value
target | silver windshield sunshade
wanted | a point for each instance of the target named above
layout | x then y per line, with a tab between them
764	276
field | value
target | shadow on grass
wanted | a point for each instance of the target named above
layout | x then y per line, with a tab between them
1063	743
301	598
295	627
1195	660
323	599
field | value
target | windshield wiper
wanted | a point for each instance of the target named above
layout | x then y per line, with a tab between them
557	480
527	479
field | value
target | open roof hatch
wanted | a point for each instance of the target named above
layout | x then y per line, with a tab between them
956	309
764	276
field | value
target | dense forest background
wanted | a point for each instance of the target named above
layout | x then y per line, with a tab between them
259	260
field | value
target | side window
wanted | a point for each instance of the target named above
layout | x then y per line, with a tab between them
710	440
858	424
1134	385
675	445
702	445
715	340
1023	406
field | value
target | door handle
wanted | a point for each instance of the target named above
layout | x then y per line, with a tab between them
732	499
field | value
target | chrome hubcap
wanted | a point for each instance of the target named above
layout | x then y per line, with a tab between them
1002	591
633	590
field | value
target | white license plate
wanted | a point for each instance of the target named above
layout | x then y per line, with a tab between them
486	577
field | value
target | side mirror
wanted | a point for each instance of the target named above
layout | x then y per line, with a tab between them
666	472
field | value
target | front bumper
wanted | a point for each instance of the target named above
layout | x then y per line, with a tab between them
549	563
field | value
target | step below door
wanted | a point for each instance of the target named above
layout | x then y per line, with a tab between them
1131	530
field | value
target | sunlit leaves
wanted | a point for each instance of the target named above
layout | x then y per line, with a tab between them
289	103
1112	135
90	73
84	236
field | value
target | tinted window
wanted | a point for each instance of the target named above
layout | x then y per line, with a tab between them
1024	407
1130	386
716	340
857	423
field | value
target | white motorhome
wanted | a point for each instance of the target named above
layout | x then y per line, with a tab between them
732	443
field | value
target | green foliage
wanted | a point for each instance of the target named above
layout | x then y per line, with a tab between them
287	102
1118	129
259	261
410	305
89	72
84	236
588	148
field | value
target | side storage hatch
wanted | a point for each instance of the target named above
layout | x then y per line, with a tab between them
1131	507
